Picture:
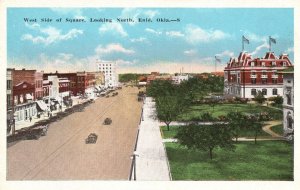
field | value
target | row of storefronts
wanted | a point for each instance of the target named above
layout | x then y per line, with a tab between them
31	93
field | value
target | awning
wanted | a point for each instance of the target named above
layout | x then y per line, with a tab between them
58	99
29	97
41	104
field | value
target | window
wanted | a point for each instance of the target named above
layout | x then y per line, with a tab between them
288	96
289	81
284	64
253	91
253	81
8	84
252	64
274	81
273	63
263	64
8	100
274	91
264	91
289	120
264	81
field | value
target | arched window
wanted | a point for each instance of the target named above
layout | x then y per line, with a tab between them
290	120
288	96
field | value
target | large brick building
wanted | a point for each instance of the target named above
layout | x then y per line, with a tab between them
79	82
245	76
24	93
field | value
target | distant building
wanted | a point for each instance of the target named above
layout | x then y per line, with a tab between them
288	103
72	77
202	75
178	78
245	76
39	85
219	74
109	69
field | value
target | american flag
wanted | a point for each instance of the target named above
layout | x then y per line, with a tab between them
246	40
272	40
218	59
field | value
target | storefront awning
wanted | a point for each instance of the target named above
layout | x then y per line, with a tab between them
58	99
41	104
29	97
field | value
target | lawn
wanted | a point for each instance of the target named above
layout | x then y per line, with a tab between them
268	160
169	134
243	133
278	129
194	112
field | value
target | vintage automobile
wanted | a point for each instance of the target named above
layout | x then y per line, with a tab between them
36	132
115	93
107	121
91	139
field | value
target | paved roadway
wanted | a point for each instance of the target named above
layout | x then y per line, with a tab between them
63	154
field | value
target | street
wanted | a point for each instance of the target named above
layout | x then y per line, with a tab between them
63	154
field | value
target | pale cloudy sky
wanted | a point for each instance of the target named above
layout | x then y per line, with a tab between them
191	43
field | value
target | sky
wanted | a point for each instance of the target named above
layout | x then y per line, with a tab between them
189	43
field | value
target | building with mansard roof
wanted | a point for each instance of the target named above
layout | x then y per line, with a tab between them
245	76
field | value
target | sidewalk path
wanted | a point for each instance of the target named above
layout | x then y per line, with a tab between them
270	124
240	139
152	161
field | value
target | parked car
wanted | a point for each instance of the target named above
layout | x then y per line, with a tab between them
91	139
107	121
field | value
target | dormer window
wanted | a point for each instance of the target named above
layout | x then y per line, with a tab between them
273	63
284	64
263	64
252	64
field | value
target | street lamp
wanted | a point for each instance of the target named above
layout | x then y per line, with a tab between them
133	157
14	124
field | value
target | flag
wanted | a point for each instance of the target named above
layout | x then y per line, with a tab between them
245	40
218	59
272	40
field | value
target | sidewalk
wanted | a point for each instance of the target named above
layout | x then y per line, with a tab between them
152	161
22	124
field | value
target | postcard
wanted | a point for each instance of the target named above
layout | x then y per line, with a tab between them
149	97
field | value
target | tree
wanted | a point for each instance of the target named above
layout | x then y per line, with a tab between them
160	88
236	122
259	97
278	100
254	124
168	108
206	137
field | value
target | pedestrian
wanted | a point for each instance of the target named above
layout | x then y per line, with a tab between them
48	114
30	118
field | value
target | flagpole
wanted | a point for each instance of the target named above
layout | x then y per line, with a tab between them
215	66
242	43
269	43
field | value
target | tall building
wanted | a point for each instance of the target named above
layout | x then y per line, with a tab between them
288	103
245	76
109	69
